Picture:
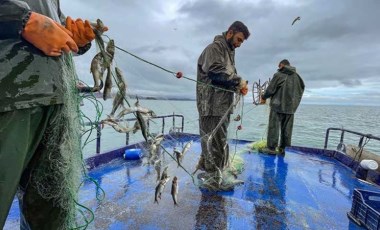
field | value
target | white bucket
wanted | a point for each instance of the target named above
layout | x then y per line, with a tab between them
369	164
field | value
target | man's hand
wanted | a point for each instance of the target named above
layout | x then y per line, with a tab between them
48	36
82	31
262	101
244	90
243	87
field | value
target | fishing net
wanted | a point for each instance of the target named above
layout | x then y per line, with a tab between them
258	145
59	176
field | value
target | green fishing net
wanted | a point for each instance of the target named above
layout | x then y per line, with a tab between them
59	177
258	145
223	180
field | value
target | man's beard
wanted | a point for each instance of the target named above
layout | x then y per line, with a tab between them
230	42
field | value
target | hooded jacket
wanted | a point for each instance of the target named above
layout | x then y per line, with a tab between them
285	90
216	66
28	78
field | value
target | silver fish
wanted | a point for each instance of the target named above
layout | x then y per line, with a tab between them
107	62
142	124
108	122
141	121
187	147
116	126
118	102
98	29
126	111
152	152
120	80
165	173
158	139
121	129
157	167
109	53
146	113
174	190
111	48
159	189
98	26
178	156
136	127
107	85
97	69
122	88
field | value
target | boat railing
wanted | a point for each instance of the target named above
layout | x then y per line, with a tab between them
163	118
341	145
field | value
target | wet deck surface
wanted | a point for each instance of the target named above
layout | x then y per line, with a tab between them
295	191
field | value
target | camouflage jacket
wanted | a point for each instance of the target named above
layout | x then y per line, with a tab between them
285	90
28	78
216	66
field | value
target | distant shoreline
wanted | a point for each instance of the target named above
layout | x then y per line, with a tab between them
100	95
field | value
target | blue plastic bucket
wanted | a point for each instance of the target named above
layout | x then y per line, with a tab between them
132	154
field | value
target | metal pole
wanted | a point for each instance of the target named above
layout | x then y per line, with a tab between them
342	136
127	138
174	123
327	138
163	125
183	123
361	141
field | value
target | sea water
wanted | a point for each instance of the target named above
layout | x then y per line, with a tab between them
310	123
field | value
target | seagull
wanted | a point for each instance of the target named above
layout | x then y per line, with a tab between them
296	19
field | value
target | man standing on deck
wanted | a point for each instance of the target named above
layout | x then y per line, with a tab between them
39	131
217	82
285	91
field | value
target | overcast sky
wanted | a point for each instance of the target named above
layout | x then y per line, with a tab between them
335	46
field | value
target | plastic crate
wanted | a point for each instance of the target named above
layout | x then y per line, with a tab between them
365	210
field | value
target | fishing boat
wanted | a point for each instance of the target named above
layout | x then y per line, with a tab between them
306	188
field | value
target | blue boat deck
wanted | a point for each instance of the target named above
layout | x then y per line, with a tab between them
295	191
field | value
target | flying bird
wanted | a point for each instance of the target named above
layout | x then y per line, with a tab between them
296	19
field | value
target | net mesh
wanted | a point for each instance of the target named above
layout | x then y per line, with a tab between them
59	176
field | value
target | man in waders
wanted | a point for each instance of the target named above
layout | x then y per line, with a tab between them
218	81
285	91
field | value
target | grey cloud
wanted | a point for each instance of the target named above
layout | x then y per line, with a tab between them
335	44
351	83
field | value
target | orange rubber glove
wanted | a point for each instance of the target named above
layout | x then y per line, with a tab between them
82	31
48	36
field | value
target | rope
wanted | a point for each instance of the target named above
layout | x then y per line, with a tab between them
167	70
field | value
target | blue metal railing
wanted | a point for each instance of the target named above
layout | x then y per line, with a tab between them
174	127
343	131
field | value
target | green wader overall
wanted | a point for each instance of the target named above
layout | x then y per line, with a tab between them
22	150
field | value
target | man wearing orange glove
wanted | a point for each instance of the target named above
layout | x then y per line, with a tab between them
39	134
216	67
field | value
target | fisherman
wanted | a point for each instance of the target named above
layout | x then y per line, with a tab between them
285	91
216	67
39	132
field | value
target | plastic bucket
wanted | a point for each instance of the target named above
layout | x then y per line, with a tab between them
369	164
132	154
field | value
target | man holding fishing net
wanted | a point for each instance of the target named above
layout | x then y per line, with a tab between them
40	152
217	82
